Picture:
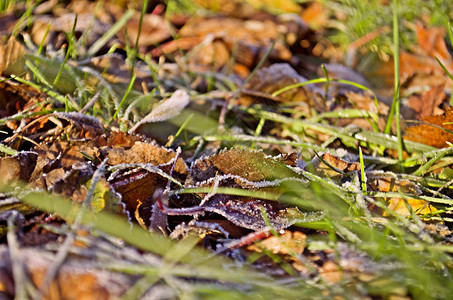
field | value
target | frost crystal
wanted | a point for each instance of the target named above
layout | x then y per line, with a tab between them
166	109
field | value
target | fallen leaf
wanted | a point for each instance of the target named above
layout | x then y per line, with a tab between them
154	30
280	75
427	103
433	135
432	41
315	14
142	152
166	109
137	185
12	57
287	243
331	272
251	165
380	182
76	279
404	206
17	167
333	166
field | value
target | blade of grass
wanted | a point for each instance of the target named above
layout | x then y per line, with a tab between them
444	68
140	287
110	33
128	90
25	17
395	109
362	172
41	45
70	37
260	139
258	130
181	128
134	51
326	74
424	168
7	150
49	91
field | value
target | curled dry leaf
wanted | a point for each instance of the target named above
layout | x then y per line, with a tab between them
332	166
72	125
166	109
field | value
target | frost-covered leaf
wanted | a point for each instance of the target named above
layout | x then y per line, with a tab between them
248	164
166	109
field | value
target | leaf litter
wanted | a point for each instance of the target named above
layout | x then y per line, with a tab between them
283	216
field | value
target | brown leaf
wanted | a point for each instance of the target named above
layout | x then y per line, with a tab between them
427	103
432	41
416	70
141	152
249	170
400	206
251	165
137	186
334	166
8	20
155	29
392	184
249	39
277	76
136	189
315	14
76	279
12	57
17	167
62	24
331	272
431	135
287	243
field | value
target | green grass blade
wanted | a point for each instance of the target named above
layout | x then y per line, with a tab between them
362	172
395	109
128	90
110	33
444	68
424	168
7	150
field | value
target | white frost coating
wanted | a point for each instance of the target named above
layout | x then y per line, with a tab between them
256	184
166	109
